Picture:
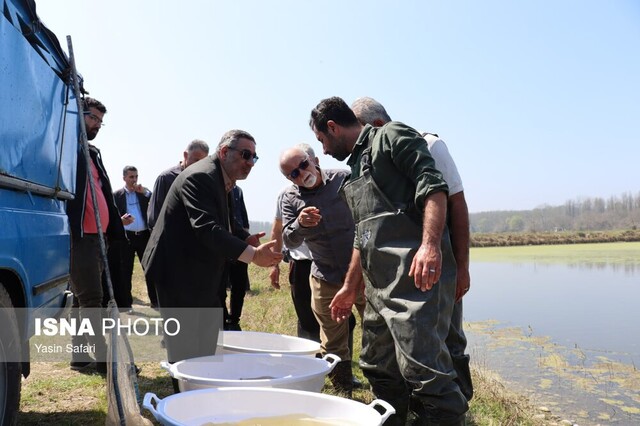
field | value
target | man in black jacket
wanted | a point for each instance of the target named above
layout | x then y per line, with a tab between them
86	261
132	202
192	242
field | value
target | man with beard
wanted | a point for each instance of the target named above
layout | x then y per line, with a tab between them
192	242
402	256
86	259
314	213
370	111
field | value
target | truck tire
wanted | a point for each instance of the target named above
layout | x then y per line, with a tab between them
10	372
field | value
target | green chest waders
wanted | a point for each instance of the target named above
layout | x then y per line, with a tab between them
404	353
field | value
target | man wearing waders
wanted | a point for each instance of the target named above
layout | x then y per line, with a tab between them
370	111
402	256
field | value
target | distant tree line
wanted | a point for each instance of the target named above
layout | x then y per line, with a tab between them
596	214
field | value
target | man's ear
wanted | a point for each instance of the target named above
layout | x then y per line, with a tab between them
331	126
224	151
378	123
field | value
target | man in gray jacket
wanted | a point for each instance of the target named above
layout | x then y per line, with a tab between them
314	213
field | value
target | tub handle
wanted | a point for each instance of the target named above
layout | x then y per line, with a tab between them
332	359
150	402
388	408
166	366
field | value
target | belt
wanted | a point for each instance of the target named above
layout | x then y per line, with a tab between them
137	233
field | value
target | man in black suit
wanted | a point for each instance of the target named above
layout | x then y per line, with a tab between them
192	242
132	202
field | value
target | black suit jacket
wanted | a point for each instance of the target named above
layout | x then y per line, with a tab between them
121	202
191	242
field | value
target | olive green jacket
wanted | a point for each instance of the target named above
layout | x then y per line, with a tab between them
401	166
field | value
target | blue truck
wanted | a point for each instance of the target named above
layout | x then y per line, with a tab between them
38	151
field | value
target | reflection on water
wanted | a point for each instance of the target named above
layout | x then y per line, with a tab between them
595	308
626	268
569	332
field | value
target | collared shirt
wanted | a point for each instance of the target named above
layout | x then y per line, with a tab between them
228	183
330	242
133	208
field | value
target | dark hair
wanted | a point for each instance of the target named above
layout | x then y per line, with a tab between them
88	102
334	109
128	169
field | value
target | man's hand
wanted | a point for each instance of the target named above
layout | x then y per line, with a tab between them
254	240
426	266
309	217
342	302
265	256
140	189
127	219
463	282
274	276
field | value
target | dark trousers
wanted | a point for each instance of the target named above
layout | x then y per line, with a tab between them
239	284
137	244
299	273
115	255
86	285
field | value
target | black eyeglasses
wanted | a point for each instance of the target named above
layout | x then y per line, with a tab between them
94	118
296	172
246	154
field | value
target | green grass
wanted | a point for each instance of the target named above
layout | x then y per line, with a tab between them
55	395
620	253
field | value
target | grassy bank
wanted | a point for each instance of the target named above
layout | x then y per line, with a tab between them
55	395
505	239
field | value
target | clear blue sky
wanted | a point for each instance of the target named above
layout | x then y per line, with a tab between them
538	101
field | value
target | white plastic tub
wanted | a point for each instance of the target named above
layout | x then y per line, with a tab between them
252	370
263	406
266	343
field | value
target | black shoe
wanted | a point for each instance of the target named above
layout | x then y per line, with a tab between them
357	384
89	367
233	326
81	365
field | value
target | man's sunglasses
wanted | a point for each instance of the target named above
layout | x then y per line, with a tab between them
296	172
246	154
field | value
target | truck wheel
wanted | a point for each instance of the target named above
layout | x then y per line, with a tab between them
10	372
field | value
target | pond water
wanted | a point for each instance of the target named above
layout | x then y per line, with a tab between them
566	333
588	307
